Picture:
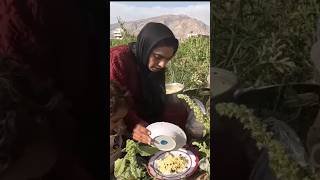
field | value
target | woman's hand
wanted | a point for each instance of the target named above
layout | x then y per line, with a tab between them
141	134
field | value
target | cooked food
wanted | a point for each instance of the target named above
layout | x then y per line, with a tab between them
171	164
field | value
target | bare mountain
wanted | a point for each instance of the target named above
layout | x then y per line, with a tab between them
181	25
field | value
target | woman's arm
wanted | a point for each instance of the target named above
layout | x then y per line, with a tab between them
119	73
132	119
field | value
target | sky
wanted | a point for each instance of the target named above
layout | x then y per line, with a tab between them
130	11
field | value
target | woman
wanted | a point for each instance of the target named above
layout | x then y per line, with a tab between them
140	67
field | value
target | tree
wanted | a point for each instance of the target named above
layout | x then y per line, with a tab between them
126	33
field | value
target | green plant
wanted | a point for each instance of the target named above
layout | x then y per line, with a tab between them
129	167
265	42
118	42
191	63
204	163
190	66
282	165
204	119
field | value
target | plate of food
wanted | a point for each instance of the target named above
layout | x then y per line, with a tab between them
172	165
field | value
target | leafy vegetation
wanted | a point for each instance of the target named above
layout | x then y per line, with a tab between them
265	42
128	167
193	56
190	66
283	166
203	118
204	144
118	42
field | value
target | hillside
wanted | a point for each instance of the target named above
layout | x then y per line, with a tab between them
181	25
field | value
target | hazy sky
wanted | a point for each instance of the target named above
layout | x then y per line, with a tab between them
129	11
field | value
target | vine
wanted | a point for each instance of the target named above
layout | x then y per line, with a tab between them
282	165
204	119
204	163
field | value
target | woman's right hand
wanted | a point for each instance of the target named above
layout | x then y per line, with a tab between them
141	134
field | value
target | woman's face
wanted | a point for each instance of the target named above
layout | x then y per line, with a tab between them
159	58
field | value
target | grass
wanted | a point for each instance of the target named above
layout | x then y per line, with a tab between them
117	42
265	42
190	66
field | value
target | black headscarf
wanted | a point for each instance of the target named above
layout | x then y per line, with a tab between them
153	83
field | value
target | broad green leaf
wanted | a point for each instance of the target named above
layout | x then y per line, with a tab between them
119	167
145	150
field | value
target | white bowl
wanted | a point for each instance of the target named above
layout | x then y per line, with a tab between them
173	88
221	81
167	136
